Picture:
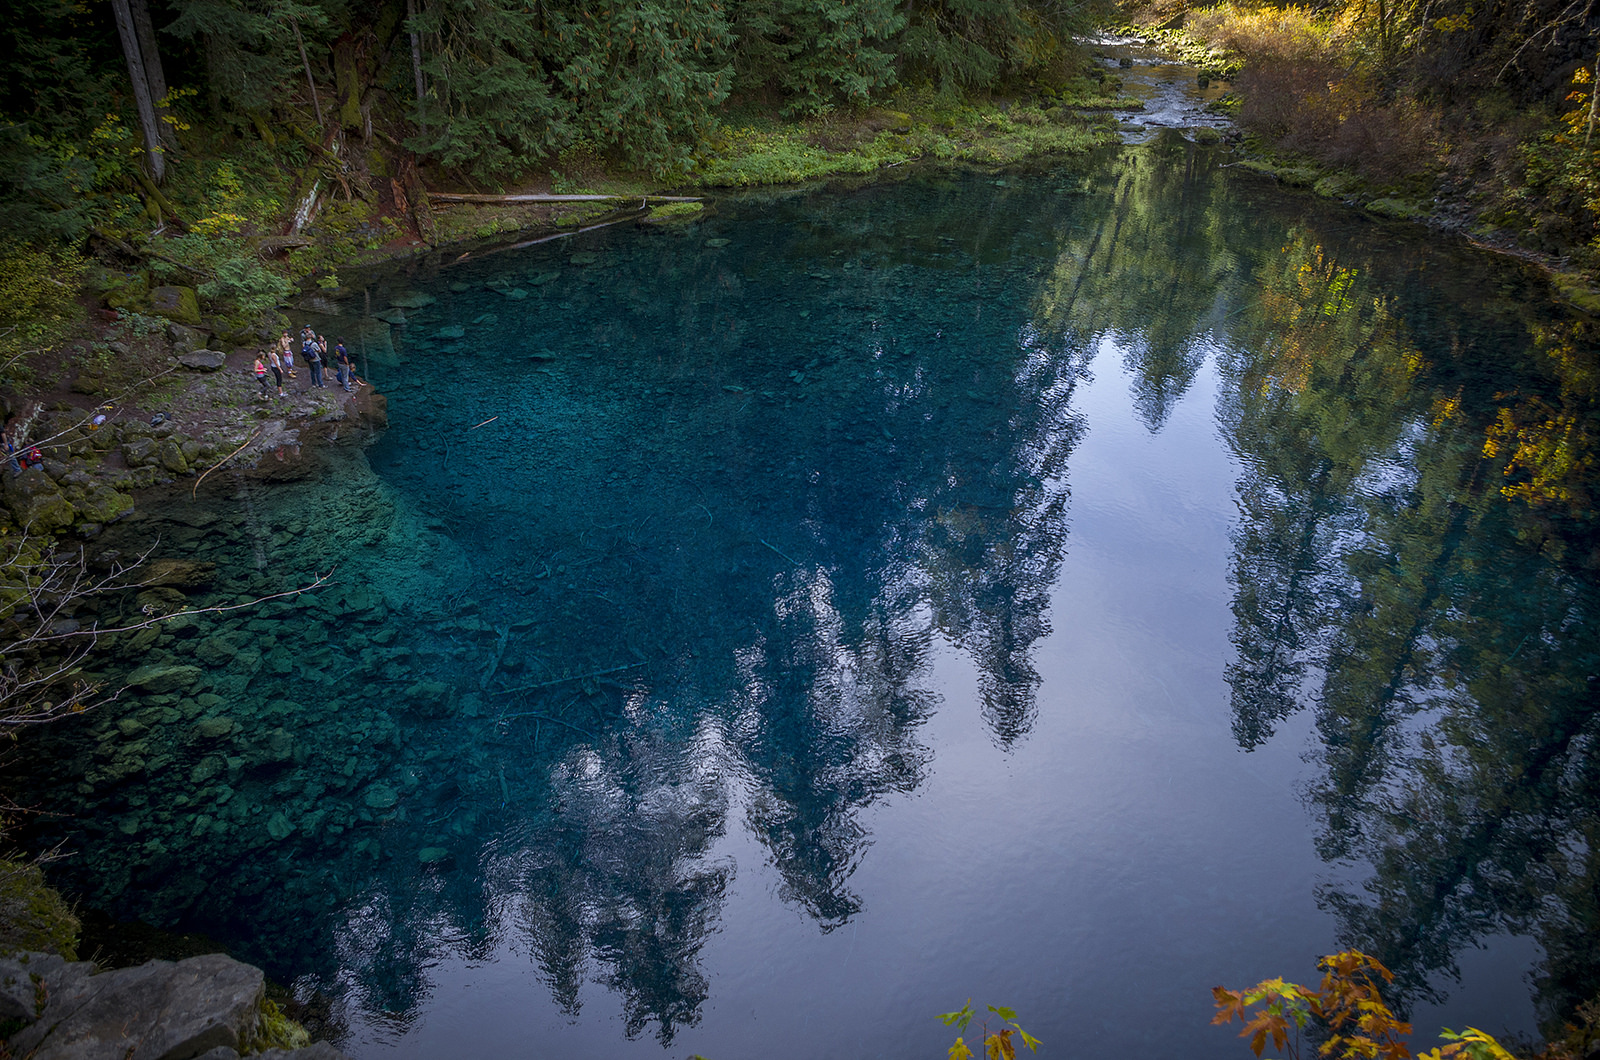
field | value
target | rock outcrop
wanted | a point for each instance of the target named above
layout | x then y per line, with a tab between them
209	1006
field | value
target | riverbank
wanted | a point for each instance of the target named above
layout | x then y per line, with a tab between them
1467	133
55	1007
165	369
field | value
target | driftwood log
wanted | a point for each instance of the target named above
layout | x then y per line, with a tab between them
506	200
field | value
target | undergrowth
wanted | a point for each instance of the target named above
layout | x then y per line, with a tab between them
987	132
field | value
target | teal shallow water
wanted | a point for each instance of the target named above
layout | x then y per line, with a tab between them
1068	589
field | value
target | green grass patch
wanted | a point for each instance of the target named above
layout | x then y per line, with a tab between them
992	133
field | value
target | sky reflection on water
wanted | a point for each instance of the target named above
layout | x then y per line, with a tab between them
865	600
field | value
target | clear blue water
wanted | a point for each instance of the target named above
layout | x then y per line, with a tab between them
1070	589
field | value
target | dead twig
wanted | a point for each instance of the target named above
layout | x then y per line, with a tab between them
224	460
569	680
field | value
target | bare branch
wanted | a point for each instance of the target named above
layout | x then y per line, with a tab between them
1567	15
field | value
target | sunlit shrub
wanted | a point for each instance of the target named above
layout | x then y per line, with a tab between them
1261	34
38	302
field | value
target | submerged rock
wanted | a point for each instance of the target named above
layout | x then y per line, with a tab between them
213	728
381	797
157	678
179	573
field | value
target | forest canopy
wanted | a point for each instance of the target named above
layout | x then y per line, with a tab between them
97	96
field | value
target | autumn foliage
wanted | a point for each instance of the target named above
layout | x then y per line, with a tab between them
997	1044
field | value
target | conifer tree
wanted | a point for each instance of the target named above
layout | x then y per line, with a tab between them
645	75
817	54
488	104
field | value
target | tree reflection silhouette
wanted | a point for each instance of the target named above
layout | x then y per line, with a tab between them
826	467
1439	620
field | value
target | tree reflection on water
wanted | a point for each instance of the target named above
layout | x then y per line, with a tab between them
739	496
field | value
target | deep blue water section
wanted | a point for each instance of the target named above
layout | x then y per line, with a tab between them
1069	588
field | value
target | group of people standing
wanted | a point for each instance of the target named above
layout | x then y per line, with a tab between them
279	359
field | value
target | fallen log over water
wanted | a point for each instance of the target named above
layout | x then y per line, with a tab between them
505	200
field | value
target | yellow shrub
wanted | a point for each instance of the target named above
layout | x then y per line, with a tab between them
1261	34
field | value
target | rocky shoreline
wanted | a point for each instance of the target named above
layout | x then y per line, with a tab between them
93	471
211	1007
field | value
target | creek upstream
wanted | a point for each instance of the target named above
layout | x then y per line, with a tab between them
1068	588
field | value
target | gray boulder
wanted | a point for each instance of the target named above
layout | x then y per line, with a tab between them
158	1011
314	1051
179	304
203	360
184	338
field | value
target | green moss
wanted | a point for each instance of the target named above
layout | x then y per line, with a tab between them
993	133
1573	288
274	1030
32	915
673	212
1399	209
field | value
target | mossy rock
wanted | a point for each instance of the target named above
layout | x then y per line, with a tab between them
1572	289
32	915
675	213
1335	186
104	505
126	290
1399	209
37	503
176	303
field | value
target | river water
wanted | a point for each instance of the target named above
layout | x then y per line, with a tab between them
1068	588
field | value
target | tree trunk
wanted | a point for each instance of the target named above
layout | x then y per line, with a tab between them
149	125
310	81
416	60
1594	103
155	75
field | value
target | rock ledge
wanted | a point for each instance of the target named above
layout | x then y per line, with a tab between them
209	1006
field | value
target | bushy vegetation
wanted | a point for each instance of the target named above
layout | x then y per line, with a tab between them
1486	109
237	147
38	306
1346	1017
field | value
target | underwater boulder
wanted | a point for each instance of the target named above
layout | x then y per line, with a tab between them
438	857
279	827
381	796
213	728
180	573
412	300
157	678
